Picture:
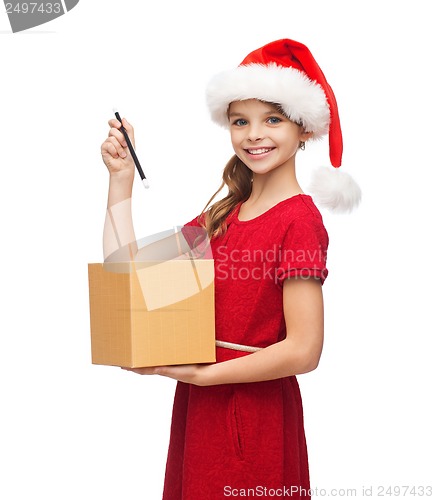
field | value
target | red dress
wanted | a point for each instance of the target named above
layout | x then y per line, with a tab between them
239	439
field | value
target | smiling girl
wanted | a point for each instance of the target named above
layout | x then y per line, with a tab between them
237	425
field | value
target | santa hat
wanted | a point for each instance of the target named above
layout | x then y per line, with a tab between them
285	72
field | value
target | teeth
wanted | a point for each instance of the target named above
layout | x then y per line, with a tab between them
259	151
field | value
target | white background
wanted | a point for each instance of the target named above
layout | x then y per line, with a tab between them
73	430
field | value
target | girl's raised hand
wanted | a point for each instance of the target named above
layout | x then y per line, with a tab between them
114	149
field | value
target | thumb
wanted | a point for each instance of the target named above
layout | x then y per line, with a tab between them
130	130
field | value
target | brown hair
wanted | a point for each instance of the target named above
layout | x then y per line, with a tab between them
238	178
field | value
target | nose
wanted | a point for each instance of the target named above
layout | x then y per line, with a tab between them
255	133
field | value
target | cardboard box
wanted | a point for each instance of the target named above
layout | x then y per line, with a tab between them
152	313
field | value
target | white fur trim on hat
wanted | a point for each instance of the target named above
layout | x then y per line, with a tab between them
301	99
335	190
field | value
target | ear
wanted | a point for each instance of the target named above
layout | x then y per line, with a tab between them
305	136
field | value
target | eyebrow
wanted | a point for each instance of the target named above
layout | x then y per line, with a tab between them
272	112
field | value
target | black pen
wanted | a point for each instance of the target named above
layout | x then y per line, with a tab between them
133	153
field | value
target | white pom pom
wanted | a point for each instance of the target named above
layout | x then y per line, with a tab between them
335	190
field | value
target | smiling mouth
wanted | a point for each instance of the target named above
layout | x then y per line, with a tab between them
259	151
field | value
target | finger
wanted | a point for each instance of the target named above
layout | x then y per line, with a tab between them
121	151
114	122
114	132
129	128
112	146
141	371
108	148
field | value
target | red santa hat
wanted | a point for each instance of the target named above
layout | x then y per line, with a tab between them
285	72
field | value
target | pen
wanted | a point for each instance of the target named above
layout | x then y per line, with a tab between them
133	153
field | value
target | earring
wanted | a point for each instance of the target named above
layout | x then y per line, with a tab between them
302	145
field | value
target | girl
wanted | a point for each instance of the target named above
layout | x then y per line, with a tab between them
237	425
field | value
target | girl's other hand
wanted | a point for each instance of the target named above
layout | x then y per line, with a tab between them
190	374
115	152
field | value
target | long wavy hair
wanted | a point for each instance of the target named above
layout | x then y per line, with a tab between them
238	178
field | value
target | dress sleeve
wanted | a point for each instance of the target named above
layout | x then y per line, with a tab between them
196	236
303	253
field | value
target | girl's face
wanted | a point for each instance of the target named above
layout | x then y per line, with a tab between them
263	138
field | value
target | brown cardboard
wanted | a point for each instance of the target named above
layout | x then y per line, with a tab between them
152	313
